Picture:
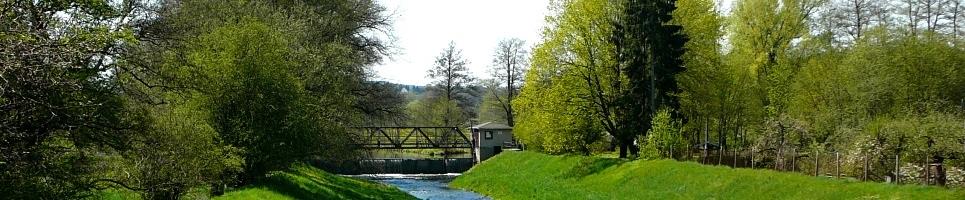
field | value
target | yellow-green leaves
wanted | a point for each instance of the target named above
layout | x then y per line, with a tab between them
573	71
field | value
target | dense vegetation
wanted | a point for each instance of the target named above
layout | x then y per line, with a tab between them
528	175
166	97
866	79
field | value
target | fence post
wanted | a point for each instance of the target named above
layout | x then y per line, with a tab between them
671	152
793	159
752	158
817	163
837	164
926	165
735	157
864	177
897	169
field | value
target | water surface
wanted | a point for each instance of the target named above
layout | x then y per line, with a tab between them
424	186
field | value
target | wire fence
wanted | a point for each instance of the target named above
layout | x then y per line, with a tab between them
891	168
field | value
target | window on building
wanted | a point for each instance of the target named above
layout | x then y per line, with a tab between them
489	135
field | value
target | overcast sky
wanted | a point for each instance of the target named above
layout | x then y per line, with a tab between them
424	27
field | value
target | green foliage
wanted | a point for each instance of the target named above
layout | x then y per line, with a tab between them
494	103
451	76
762	35
226	91
431	111
527	175
573	82
258	101
596	70
706	84
664	139
509	67
650	50
551	116
550	122
928	137
59	108
179	152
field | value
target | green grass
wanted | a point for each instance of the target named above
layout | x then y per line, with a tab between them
306	182
527	175
299	182
113	194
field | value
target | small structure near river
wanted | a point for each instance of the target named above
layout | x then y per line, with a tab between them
489	139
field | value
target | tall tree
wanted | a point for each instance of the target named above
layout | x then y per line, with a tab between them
763	32
762	39
451	74
509	64
284	97
573	87
59	104
852	17
649	52
711	90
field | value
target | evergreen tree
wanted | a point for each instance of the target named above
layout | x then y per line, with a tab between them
649	52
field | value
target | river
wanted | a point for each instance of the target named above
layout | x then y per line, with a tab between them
424	186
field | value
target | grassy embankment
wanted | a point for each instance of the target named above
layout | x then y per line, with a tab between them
306	182
302	182
527	175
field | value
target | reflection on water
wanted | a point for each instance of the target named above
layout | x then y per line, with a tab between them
424	186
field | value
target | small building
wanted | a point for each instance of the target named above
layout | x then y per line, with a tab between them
489	139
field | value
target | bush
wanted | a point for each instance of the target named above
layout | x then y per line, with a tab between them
664	139
179	152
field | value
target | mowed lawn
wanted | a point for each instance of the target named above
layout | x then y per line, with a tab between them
528	175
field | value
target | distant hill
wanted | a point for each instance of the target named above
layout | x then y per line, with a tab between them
405	89
413	89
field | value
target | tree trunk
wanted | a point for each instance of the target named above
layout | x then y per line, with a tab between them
704	145
623	149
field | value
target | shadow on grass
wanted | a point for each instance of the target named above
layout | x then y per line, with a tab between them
302	182
590	165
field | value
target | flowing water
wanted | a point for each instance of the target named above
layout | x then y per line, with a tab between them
424	186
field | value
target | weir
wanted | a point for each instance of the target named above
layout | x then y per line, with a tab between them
408	166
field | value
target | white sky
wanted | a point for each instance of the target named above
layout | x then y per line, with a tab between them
424	27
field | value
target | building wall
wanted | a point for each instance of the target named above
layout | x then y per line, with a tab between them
499	137
485	147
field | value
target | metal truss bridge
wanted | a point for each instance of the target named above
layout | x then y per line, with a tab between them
419	137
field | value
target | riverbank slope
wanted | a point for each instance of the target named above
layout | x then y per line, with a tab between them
528	175
301	181
306	182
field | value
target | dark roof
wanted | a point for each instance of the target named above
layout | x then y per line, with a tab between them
492	125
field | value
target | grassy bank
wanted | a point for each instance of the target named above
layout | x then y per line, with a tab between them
299	182
306	182
527	175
